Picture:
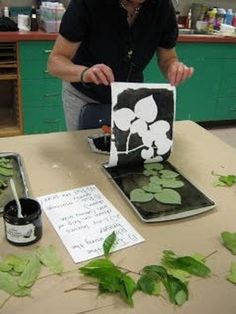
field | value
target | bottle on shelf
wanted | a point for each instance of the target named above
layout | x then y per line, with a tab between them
6	11
229	17
33	20
211	19
189	19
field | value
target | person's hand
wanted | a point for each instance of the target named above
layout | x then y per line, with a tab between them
178	72
98	74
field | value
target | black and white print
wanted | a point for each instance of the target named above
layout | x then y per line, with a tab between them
142	123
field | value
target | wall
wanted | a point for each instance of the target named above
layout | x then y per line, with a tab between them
183	5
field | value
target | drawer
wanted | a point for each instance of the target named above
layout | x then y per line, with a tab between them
35	50
226	108
36	69
43	120
199	51
41	93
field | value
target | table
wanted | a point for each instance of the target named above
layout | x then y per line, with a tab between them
61	161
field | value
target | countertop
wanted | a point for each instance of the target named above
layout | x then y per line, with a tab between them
41	35
62	161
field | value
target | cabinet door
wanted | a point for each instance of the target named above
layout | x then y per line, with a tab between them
43	120
197	97
226	102
45	92
41	93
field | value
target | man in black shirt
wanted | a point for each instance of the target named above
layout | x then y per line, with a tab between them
102	41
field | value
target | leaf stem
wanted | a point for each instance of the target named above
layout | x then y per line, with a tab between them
95	309
212	253
80	287
129	271
62	273
5	302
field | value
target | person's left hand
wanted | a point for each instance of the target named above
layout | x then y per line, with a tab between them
178	72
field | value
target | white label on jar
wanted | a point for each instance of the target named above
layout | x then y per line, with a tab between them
20	234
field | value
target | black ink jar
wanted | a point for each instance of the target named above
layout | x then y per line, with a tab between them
26	230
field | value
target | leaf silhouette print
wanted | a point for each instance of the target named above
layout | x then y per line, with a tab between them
146	109
122	118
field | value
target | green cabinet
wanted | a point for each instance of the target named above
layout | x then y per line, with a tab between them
210	95
41	93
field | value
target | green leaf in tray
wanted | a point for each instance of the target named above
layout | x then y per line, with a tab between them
152	187
139	195
167	174
168	196
153	166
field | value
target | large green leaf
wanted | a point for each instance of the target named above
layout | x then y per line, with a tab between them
139	195
229	241
186	263
127	288
48	257
149	284
168	196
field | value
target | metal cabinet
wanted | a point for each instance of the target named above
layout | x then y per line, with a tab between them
41	93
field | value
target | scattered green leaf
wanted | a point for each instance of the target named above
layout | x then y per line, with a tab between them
149	284
48	257
110	278
229	241
30	273
108	243
232	275
186	263
10	286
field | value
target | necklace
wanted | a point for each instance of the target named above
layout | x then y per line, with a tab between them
131	11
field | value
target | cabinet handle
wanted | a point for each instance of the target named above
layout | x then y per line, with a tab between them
233	109
51	95
45	71
47	50
52	121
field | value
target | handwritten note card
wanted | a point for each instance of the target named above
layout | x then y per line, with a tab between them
83	218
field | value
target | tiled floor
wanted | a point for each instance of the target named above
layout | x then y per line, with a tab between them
226	133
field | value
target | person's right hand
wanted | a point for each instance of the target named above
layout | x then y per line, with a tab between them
98	74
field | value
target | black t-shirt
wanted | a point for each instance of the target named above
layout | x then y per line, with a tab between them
102	29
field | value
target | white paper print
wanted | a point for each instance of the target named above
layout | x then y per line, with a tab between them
83	218
142	122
